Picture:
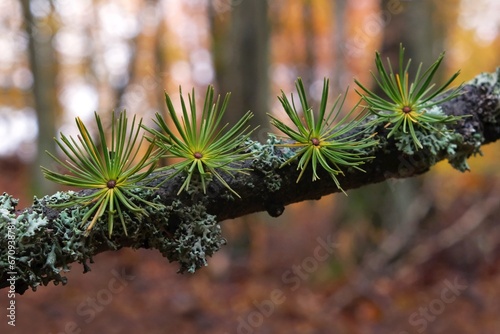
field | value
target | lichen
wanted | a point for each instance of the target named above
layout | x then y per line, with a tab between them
460	151
490	79
7	230
47	240
488	110
38	252
433	141
441	142
187	234
267	161
489	88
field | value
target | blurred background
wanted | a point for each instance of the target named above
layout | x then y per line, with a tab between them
405	256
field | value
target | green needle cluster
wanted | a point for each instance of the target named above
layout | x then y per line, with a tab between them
408	106
109	168
206	148
323	140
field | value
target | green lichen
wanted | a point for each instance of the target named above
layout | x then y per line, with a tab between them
267	161
186	234
441	143
46	240
488	111
433	141
7	208
490	79
489	84
459	153
8	231
39	257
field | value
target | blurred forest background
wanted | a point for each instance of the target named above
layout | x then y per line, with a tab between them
410	256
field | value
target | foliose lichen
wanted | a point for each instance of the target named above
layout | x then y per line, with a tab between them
490	79
267	161
458	155
488	110
187	234
489	89
40	253
8	231
47	240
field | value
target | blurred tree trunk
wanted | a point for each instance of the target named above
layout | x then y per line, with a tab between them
241	50
340	70
307	73
44	69
419	27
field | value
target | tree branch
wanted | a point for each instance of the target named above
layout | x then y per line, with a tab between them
40	242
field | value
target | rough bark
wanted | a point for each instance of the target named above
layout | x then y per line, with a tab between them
40	242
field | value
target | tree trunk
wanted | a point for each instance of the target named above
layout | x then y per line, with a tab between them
241	51
44	69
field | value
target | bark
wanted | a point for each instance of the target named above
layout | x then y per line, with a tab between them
40	242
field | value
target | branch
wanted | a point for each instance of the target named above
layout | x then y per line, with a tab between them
40	242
